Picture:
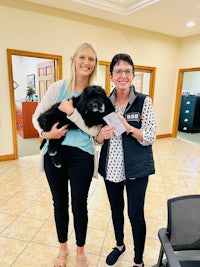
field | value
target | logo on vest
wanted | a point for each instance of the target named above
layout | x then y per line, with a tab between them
134	116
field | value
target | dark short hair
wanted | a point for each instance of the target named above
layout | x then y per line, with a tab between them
118	57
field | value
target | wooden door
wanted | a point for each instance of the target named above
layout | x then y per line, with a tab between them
46	76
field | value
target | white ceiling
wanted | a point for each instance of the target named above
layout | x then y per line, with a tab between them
162	16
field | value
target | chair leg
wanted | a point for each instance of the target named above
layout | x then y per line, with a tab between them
159	263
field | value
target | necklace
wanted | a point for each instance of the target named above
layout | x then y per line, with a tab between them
121	102
120	110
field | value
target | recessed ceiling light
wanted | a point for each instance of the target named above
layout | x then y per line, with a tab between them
190	24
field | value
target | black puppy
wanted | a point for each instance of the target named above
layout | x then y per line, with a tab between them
93	104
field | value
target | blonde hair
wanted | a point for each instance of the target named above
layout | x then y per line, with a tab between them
71	77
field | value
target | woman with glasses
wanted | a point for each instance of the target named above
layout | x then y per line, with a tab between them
126	161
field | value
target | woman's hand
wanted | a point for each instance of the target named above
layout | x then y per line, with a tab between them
135	132
66	106
105	133
56	133
125	123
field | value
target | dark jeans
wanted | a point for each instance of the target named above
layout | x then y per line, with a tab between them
136	190
77	168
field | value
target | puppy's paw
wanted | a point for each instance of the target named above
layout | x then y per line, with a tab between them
52	153
58	165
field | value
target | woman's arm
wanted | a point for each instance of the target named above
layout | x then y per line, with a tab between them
135	132
146	135
148	123
73	114
105	133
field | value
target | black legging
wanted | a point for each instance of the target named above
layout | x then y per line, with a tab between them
77	167
136	190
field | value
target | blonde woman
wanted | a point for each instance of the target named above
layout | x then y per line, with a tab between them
77	153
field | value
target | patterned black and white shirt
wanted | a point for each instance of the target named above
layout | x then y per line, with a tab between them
115	166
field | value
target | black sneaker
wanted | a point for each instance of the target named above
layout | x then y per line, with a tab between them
114	255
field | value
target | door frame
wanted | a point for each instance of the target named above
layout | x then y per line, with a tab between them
152	71
178	98
10	53
107	76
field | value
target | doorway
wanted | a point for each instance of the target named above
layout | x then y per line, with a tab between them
23	69
187	109
144	80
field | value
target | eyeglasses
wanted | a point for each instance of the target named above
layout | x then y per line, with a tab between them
119	73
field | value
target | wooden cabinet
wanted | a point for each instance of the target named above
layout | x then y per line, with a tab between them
24	120
189	120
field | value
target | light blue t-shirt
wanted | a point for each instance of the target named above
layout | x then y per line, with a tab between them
74	137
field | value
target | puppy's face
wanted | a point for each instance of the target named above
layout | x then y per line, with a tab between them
95	96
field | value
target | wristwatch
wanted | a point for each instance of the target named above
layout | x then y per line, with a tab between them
131	131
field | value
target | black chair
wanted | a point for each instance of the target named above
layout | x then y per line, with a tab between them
180	241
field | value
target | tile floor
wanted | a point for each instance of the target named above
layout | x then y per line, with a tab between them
27	232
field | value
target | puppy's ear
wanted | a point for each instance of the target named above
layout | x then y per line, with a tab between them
108	105
82	103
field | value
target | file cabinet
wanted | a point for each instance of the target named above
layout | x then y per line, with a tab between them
189	120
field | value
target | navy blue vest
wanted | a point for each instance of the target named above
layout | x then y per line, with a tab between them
138	159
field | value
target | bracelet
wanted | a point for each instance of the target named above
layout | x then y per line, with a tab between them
98	143
131	131
68	115
43	135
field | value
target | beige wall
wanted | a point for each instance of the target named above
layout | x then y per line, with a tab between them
36	32
189	54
